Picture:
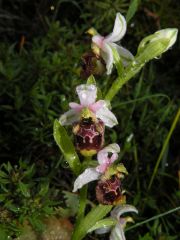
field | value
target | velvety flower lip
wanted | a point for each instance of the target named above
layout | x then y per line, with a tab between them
92	174
103	45
87	94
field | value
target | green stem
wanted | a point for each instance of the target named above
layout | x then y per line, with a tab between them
81	210
152	50
120	81
82	203
164	148
154	218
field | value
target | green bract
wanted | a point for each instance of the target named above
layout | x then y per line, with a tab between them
150	47
66	146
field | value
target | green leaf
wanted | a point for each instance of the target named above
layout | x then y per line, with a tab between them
36	223
8	167
44	188
3	174
66	146
96	214
24	189
2	197
155	44
104	223
9	205
146	237
117	61
72	202
30	171
63	212
150	47
132	9
91	80
3	234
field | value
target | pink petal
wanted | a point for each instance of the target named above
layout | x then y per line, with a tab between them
102	168
96	106
114	157
77	107
107	116
102	157
98	40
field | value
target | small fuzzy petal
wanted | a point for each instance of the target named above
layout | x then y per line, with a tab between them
117	233
96	106
102	167
98	40
107	56
69	117
107	116
114	157
119	210
77	107
119	29
124	54
105	161
89	175
102	155
111	148
87	94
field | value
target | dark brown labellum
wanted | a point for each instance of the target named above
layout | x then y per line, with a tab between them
109	191
92	64
89	136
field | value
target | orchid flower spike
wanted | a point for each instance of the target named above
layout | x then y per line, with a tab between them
103	45
118	231
92	174
87	95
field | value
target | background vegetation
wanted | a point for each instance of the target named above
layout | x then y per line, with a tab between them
41	47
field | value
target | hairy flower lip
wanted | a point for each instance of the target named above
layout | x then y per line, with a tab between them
89	136
109	191
92	64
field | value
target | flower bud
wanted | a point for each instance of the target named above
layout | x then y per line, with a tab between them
89	136
109	191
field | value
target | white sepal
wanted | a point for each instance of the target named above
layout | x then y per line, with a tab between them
119	210
117	233
107	56
107	116
119	29
89	175
125	55
87	94
69	117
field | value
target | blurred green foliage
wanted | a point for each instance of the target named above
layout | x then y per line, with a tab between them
41	47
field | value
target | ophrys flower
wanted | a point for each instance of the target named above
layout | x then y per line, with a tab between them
92	174
88	107
103	45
